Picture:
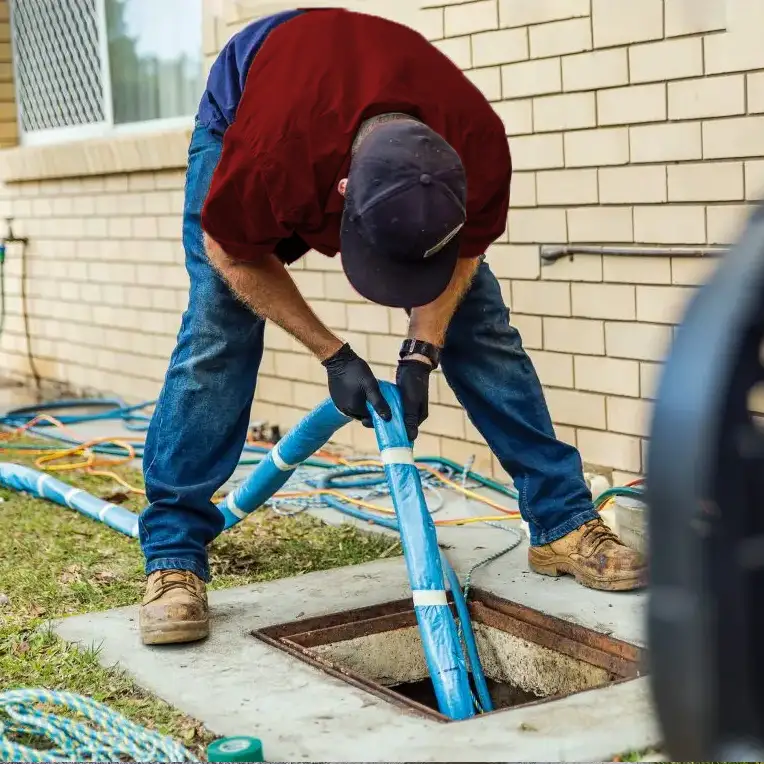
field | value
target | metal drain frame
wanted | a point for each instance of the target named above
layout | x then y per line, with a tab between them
622	660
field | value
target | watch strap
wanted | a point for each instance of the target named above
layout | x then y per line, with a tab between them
420	347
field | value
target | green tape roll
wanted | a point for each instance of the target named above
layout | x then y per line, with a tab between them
235	749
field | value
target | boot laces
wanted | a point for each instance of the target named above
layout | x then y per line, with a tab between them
168	580
599	534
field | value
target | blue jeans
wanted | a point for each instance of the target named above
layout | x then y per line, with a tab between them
200	423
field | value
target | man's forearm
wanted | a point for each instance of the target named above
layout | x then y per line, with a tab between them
430	322
269	291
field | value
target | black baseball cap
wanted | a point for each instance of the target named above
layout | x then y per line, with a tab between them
405	205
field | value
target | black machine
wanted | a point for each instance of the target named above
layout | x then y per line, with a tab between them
705	492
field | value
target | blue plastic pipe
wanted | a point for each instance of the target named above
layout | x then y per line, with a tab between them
468	635
303	440
440	639
45	486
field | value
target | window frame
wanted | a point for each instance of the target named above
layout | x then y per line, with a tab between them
94	130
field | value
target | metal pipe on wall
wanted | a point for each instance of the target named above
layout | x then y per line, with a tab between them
552	253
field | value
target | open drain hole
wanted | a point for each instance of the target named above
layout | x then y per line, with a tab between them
527	657
503	695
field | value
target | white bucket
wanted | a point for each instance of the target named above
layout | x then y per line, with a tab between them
631	522
597	484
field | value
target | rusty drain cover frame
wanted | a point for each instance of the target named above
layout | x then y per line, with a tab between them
622	660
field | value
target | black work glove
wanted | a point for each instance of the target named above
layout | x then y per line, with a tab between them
413	380
352	383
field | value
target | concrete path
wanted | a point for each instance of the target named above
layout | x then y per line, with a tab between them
238	685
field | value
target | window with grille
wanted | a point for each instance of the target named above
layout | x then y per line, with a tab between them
87	67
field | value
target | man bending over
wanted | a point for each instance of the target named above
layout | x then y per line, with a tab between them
347	133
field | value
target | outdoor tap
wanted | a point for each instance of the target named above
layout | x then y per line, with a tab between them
10	237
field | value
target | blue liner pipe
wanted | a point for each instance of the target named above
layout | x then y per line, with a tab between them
303	440
443	650
44	486
468	635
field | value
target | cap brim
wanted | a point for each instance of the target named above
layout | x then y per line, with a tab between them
392	283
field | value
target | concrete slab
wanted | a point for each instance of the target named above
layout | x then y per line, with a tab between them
237	685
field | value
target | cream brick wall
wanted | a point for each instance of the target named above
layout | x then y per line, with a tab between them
8	124
629	123
105	279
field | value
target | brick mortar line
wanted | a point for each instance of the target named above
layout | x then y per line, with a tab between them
517	313
275	350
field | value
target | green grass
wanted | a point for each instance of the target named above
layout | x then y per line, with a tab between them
54	562
635	755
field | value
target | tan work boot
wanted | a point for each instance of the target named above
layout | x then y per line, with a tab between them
174	608
594	555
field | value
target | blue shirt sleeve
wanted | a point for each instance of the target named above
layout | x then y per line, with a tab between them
225	83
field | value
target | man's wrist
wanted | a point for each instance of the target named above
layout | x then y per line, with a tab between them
329	348
426	331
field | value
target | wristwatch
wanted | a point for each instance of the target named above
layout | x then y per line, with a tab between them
420	347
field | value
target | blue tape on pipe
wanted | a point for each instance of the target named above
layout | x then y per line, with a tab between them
440	639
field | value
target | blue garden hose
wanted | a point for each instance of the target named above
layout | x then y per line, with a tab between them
116	409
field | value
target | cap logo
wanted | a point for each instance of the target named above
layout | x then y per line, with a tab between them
442	243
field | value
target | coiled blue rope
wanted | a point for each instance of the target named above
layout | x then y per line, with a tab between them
108	737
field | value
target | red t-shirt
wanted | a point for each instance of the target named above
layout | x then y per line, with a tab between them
315	80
